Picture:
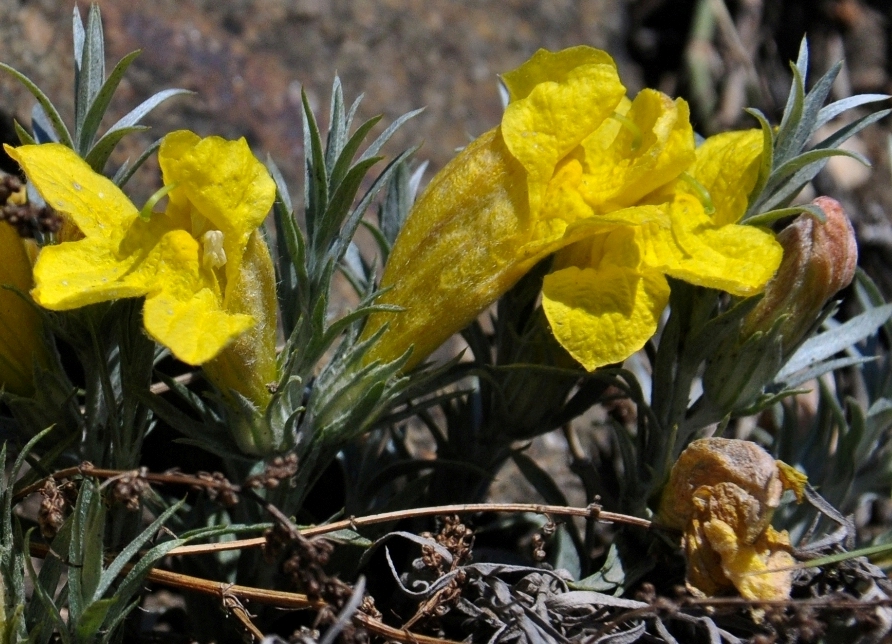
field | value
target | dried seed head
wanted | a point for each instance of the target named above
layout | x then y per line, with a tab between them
129	488
51	514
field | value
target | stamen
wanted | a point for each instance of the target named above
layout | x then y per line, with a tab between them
629	124
700	192
146	213
214	255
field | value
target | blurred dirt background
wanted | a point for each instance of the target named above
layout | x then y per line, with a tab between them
247	61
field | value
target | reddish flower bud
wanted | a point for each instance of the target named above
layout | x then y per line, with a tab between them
819	261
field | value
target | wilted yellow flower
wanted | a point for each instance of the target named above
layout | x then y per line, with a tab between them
201	265
722	494
575	166
21	330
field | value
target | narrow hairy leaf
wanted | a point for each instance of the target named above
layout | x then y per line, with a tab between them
92	70
52	114
126	172
89	125
826	344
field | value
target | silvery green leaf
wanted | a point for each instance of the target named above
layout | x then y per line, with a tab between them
584	598
378	143
337	132
79	38
56	125
792	116
767	156
789	168
134	579
830	112
99	154
768	218
93	618
341	165
91	70
819	369
45	601
850	130
135	115
784	194
825	345
131	549
316	182
88	126
24	137
335	216
415	180
85	549
354	263
812	104
281	186
352	222
126	171
567	553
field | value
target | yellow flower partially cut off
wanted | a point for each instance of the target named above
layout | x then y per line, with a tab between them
574	166
21	330
188	262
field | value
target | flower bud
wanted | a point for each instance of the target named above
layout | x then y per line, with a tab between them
819	261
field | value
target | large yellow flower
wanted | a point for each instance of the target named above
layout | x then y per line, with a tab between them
575	166
190	262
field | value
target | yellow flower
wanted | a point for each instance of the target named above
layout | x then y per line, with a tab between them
722	494
545	178
193	263
605	295
574	166
21	331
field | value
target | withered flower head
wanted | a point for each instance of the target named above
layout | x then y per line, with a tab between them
722	494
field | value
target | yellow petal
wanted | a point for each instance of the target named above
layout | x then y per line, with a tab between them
75	274
601	316
99	268
224	182
185	313
21	342
734	258
747	566
792	479
457	252
558	98
622	170
194	330
727	165
93	202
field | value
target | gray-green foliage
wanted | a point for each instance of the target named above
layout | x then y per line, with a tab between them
93	92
